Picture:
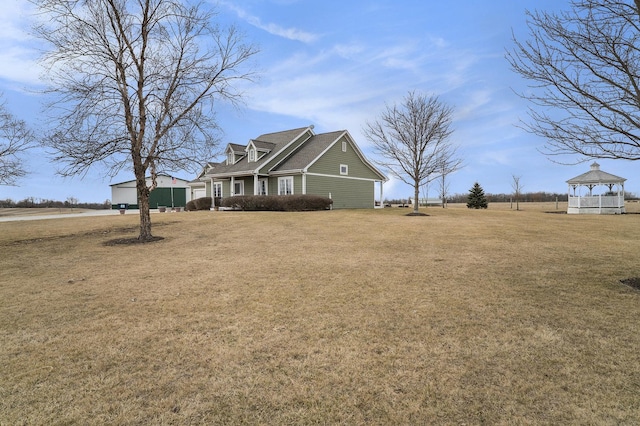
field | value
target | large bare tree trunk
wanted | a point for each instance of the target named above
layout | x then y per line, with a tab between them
145	220
143	205
416	199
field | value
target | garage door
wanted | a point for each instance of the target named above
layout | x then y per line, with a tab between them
199	193
168	197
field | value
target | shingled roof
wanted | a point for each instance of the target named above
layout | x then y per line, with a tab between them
273	142
309	151
595	176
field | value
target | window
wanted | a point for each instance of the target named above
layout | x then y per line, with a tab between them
217	189
238	187
285	185
344	169
229	157
252	155
262	187
344	146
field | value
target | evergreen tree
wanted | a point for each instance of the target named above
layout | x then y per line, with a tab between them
476	198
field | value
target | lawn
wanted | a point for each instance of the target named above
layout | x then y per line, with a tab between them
337	317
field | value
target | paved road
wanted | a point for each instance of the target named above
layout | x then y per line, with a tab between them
65	215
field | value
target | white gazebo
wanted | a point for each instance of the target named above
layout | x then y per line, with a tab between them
609	199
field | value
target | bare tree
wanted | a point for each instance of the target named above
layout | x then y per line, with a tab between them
449	164
584	68
517	189
444	189
15	139
135	83
412	140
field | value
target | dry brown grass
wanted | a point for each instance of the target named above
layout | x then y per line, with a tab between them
352	317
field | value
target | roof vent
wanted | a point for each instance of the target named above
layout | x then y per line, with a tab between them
595	166
311	126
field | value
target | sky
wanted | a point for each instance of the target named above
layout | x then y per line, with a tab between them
337	65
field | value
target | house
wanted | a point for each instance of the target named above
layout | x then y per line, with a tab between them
296	161
170	192
583	199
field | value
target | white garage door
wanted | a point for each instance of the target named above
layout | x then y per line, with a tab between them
199	193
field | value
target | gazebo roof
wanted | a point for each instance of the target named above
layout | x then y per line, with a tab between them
595	176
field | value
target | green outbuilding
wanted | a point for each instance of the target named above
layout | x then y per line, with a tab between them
170	192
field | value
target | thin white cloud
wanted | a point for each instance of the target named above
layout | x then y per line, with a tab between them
348	84
348	51
18	54
272	28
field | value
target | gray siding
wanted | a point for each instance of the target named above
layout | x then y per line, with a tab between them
346	193
330	162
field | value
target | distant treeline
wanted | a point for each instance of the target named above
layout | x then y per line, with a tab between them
533	197
32	202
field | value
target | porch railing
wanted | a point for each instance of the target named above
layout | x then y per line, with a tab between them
597	201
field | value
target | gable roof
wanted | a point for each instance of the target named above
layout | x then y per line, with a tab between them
262	145
275	142
286	135
235	147
309	151
595	176
301	158
159	175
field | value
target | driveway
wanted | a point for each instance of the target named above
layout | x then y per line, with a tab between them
34	215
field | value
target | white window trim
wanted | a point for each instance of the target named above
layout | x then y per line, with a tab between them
264	181
344	146
217	185
252	155
241	183
285	178
230	158
346	169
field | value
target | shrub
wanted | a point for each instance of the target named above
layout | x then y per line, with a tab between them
277	202
203	203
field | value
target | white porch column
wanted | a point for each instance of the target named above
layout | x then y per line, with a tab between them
599	203
232	186
212	193
255	184
304	183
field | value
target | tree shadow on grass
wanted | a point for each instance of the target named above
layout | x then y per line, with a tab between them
131	241
633	282
416	214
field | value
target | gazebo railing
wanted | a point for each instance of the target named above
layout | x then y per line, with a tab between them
597	201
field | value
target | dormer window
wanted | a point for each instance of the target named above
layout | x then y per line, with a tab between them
252	155
230	157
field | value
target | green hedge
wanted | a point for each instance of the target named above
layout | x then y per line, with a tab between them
289	203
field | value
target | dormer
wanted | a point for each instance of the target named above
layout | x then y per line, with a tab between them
234	153
252	153
257	149
209	167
